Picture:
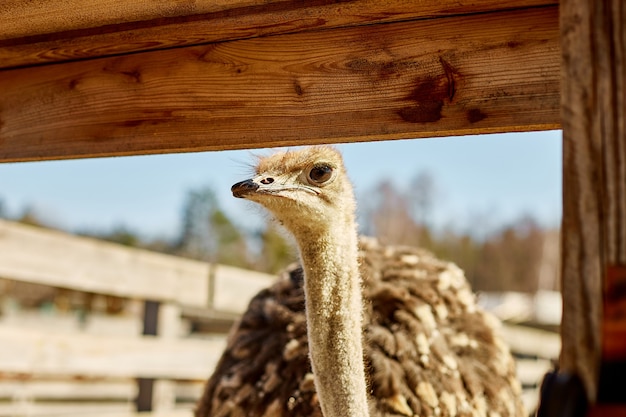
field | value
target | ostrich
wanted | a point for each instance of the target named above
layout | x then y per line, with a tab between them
361	329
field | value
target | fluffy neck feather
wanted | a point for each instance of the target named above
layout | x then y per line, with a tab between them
334	315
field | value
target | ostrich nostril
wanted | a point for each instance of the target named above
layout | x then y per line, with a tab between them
267	180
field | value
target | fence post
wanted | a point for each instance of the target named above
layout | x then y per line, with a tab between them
150	328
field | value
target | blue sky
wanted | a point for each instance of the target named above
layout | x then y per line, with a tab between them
490	178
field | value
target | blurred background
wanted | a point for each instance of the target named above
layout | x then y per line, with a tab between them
491	204
469	199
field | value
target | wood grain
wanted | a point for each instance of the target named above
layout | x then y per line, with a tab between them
472	74
54	409
46	257
594	173
49	353
83	408
62	30
531	342
39	397
53	16
119	389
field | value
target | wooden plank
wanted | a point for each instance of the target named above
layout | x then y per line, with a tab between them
530	372
47	409
54	409
145	386
98	323
75	29
101	389
179	412
189	391
472	74
42	353
83	390
530	399
594	173
53	16
119	390
531	342
57	259
234	290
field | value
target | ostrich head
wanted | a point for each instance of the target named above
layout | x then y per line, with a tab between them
307	191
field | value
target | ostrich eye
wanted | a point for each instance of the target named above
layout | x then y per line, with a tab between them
319	174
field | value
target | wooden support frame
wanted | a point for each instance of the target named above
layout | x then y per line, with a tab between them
593	34
60	31
122	79
50	353
482	73
145	386
53	258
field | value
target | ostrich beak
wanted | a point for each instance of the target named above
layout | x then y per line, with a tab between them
242	188
272	186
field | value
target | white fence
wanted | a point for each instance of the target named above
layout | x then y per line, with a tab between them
58	366
61	366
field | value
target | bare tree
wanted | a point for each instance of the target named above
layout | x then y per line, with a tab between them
421	195
388	215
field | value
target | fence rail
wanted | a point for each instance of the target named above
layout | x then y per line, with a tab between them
45	353
58	365
57	259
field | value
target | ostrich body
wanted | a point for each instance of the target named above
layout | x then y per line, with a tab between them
310	346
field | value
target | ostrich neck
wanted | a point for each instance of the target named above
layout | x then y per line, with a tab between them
334	319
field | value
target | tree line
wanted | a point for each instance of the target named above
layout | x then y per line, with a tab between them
519	256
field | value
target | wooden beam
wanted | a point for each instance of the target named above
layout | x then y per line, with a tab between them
75	29
531	342
495	72
86	408
145	386
51	389
55	409
50	353
234	289
57	259
46	17
69	389
594	178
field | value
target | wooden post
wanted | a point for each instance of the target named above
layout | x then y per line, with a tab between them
150	328
162	320
169	328
593	35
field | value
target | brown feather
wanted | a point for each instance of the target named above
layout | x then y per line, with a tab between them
429	349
